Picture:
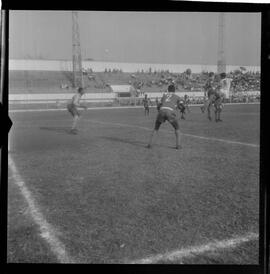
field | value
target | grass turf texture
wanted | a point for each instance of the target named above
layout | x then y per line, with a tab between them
112	200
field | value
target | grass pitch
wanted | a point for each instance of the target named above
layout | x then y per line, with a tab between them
112	200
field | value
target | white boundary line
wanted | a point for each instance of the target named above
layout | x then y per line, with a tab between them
57	247
222	140
46	230
180	254
123	107
185	134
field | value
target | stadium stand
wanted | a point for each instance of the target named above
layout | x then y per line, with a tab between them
245	85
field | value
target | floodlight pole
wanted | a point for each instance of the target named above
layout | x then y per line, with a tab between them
221	63
76	52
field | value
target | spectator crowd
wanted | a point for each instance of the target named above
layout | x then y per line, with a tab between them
157	80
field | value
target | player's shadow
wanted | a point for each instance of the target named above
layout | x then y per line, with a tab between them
57	129
126	141
133	142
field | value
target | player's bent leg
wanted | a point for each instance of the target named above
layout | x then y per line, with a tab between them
153	133
182	115
70	110
174	122
202	109
151	139
209	113
219	112
209	106
74	124
216	114
204	106
177	137
219	109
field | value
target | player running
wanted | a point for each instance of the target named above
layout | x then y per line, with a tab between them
169	102
73	106
146	103
210	93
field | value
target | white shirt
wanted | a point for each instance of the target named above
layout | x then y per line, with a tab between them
225	85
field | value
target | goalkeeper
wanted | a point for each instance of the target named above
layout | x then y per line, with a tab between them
73	106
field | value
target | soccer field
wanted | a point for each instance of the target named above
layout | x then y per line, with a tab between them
102	197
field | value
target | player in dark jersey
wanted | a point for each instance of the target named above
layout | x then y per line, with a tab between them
169	102
186	102
182	108
146	103
218	106
73	106
209	94
158	104
220	94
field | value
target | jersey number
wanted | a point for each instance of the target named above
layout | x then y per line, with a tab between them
168	97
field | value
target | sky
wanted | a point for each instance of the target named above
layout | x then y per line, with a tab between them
140	37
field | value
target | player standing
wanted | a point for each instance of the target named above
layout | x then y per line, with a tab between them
73	106
158	104
146	103
225	85
186	102
182	108
218	105
169	102
221	93
210	93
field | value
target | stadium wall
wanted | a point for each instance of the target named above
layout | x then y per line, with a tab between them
89	97
45	98
58	65
92	97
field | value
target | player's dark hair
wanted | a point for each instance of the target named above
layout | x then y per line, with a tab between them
171	88
80	89
223	75
211	74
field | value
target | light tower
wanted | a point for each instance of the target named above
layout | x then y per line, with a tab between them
76	52
221	63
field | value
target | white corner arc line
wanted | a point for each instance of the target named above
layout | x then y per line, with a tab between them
185	134
178	255
46	230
